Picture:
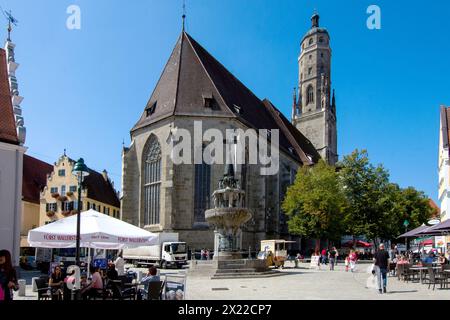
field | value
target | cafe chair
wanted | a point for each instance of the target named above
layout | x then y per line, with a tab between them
154	291
44	291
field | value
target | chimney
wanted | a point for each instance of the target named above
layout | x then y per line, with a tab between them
105	175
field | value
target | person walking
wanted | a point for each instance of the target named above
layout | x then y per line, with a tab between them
8	277
324	256
352	260
381	268
332	254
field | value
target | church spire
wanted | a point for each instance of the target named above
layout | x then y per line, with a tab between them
12	67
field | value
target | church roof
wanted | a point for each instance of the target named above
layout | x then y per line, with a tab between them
8	132
192	75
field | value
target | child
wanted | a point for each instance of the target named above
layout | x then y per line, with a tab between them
347	262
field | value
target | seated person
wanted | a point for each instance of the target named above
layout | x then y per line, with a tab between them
152	276
96	284
24	264
429	259
442	259
112	273
56	282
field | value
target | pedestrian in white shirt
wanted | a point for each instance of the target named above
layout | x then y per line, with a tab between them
120	264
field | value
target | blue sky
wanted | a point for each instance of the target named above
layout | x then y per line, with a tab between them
85	89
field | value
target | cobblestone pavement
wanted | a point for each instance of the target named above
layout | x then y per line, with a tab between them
300	283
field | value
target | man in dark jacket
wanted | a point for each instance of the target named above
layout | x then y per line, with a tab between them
381	268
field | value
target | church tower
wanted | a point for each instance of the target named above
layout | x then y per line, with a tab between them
314	112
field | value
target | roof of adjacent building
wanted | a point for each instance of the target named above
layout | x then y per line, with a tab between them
8	131
100	189
445	121
436	208
192	74
34	178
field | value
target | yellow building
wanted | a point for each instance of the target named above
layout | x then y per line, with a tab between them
59	198
34	179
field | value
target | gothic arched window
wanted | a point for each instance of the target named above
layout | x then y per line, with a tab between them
310	95
152	181
202	190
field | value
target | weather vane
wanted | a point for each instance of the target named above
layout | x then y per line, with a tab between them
184	13
11	21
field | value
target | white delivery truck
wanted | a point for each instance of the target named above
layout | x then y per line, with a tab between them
168	252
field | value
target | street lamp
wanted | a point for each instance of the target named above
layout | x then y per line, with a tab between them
406	224
80	170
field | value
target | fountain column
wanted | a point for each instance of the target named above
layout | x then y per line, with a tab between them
228	216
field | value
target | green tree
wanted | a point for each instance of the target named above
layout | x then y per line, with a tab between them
409	204
314	203
365	187
376	207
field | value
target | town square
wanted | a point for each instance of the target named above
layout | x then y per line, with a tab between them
194	150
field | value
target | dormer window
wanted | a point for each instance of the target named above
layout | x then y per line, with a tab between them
291	150
237	108
208	101
151	110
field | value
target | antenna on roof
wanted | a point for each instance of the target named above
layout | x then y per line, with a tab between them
184	13
11	21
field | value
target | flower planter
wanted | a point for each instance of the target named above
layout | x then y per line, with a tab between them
62	198
73	212
66	213
50	214
55	195
69	194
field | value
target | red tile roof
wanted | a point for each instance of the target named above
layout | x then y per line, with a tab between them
34	178
8	132
436	208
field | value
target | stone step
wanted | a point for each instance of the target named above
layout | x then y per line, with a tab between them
235	270
242	275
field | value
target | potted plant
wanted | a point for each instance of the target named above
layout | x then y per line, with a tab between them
55	195
50	214
62	198
66	213
69	193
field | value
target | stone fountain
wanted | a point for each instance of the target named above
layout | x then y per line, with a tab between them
228	216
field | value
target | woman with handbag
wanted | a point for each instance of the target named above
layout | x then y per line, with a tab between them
8	278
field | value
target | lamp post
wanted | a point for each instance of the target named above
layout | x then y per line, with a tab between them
80	170
406	224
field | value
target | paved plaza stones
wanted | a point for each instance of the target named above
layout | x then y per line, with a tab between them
300	283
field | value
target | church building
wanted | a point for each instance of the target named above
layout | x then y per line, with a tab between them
161	196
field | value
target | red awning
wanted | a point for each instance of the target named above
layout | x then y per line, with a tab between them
359	243
428	242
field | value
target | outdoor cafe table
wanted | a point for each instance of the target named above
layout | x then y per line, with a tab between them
421	269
